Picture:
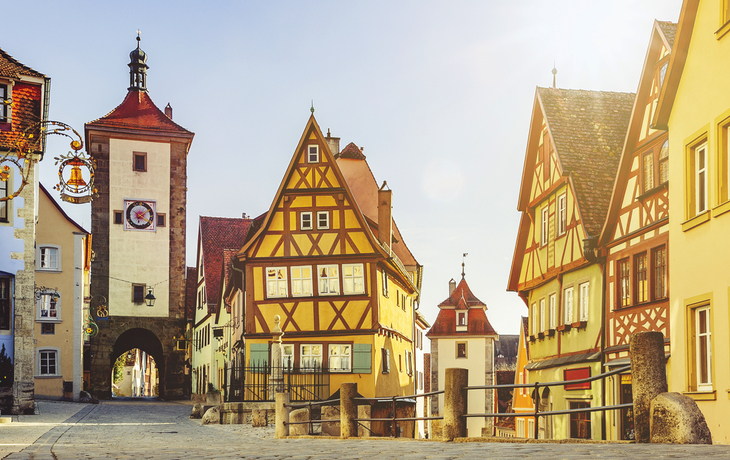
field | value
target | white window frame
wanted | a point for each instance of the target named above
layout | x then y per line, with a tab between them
329	284
287	355
552	310
53	352
542	314
544	224
301	284
562	213
279	284
305	220
43	252
568	305
701	173
584	289
339	357
533	319
45	299
520	428
308	362
701	337
384	281
4	109
461	318
312	153
323	220
353	279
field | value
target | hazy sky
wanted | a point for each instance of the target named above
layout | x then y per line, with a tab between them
439	94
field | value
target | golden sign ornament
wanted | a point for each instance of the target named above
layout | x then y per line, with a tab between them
76	176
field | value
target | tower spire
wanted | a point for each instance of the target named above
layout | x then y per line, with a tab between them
463	260
555	72
138	68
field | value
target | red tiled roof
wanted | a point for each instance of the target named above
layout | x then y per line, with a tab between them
477	322
138	112
588	129
191	279
11	68
218	234
352	152
26	110
228	255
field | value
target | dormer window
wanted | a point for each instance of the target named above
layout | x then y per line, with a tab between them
3	106
461	321
313	154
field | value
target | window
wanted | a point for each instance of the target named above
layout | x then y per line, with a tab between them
568	306
385	355
384	279
701	329
313	154
323	220
552	311
139	162
664	163
5	305
409	363
118	217
310	356
329	280
562	213
544	221
305	221
301	281
724	162
530	427
461	318
580	422
583	302
49	258
340	358
642	283
49	305
699	175
138	293
276	285
659	256
648	171
47	360
533	319
542	314
624	283
461	349
3	107
4	204
287	356
353	279
48	328
161	219
520	428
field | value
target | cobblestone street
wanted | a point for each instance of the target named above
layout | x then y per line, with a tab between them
160	430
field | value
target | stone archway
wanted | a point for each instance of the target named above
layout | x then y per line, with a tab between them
144	340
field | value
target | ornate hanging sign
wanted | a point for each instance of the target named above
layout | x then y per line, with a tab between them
76	176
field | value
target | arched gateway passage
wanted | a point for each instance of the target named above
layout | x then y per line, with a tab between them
145	341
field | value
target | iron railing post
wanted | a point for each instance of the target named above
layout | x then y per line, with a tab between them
395	424
536	401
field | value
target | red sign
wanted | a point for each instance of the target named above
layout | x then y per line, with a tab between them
577	374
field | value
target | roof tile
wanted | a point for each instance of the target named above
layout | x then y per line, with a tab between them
137	111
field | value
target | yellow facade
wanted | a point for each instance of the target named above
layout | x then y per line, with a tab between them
695	106
344	299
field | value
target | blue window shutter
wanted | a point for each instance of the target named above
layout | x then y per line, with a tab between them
259	354
361	358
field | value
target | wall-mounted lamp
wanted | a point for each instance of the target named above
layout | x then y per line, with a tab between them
149	299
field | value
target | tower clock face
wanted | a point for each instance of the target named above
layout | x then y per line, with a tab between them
139	215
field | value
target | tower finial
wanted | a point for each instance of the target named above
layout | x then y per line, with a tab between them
463	260
138	67
312	108
555	72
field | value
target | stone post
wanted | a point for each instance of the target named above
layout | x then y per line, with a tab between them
455	403
276	383
348	410
648	377
282	415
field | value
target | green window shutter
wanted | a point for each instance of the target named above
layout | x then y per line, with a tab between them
259	354
361	358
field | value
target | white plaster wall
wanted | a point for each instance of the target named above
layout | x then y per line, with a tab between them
138	256
476	363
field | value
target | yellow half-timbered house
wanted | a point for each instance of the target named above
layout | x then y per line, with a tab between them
326	258
636	233
573	149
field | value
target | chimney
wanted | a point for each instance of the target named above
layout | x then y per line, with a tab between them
333	143
385	216
168	111
452	286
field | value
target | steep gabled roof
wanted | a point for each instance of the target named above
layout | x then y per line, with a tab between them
477	322
588	129
351	151
462	293
138	112
11	68
669	29
216	235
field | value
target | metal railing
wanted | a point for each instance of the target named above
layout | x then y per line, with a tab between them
254	383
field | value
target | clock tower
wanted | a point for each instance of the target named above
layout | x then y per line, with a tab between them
138	226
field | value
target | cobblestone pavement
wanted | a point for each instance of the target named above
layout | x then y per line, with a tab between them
159	430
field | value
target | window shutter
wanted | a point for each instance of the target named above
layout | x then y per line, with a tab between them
361	358
259	355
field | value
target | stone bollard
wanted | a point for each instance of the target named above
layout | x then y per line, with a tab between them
282	415
455	403
648	377
348	410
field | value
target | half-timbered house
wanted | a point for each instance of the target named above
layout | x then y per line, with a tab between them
635	235
573	150
328	259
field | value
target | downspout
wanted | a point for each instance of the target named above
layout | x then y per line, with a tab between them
603	347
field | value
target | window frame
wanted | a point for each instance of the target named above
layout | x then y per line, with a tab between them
5	205
562	220
306	282
701	189
278	282
461	350
6	303
385	360
55	352
552	300
645	176
53	306
135	164
4	109
320	225
317	358
161	219
384	282
543	313
623	283
659	272
312	156
663	160
641	278
584	298
328	279
544	218
348	355
697	367
461	315
568	305
305	216
135	298
354	279
57	267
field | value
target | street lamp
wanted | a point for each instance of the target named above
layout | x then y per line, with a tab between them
149	299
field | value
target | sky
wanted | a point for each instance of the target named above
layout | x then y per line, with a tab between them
439	94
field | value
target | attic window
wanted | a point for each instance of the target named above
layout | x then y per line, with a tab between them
461	318
3	107
313	154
